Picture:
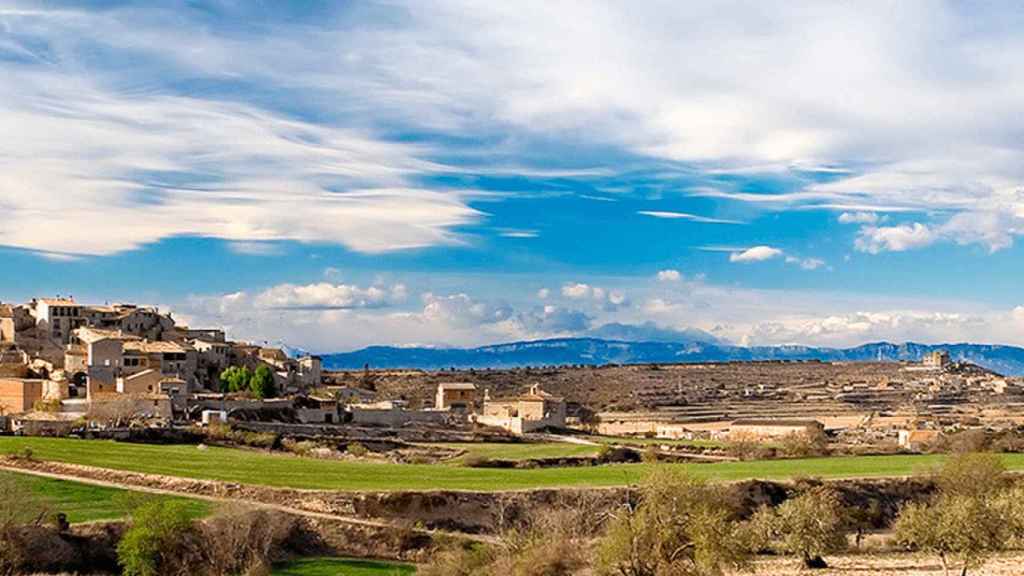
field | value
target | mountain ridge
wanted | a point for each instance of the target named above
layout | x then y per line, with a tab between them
1007	360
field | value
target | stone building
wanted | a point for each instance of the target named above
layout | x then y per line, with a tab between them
534	410
456	396
769	429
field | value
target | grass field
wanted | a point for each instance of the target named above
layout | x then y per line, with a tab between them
342	567
520	451
272	469
87	503
246	466
639	441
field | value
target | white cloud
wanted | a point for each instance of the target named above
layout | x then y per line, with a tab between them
577	291
543	293
325	295
602	297
915	108
858	218
805	263
755	254
669	275
685	216
256	248
874	239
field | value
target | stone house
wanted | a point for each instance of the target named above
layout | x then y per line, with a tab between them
57	318
770	429
455	396
19	395
534	410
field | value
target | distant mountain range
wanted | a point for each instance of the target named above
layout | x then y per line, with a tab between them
1007	360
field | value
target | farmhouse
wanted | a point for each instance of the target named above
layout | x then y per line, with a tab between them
534	410
767	429
456	396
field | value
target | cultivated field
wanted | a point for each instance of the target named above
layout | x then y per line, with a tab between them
520	452
259	468
87	503
342	567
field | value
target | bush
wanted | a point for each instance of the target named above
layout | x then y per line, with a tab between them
356	449
810	526
471	560
245	541
21	514
552	543
650	455
804	445
749	448
682	526
161	541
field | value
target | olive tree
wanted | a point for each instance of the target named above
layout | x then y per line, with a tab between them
681	526
976	513
810	526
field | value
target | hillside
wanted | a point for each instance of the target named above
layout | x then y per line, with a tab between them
1008	360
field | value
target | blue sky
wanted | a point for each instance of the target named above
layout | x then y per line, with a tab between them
335	175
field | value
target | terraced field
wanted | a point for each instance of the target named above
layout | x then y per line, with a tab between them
87	503
519	452
246	466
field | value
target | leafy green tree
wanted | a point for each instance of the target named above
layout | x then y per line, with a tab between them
161	541
262	383
235	379
682	526
810	526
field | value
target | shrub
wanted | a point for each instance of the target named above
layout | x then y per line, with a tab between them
356	449
804	444
810	526
245	541
161	541
650	455
552	543
681	526
748	448
20	512
463	560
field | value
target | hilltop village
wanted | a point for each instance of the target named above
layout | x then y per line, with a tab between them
66	366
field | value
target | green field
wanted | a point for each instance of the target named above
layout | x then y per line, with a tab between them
87	503
640	441
342	567
518	452
247	466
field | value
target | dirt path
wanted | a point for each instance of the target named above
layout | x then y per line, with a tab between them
236	500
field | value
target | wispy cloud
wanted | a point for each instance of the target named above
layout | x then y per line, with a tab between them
685	216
